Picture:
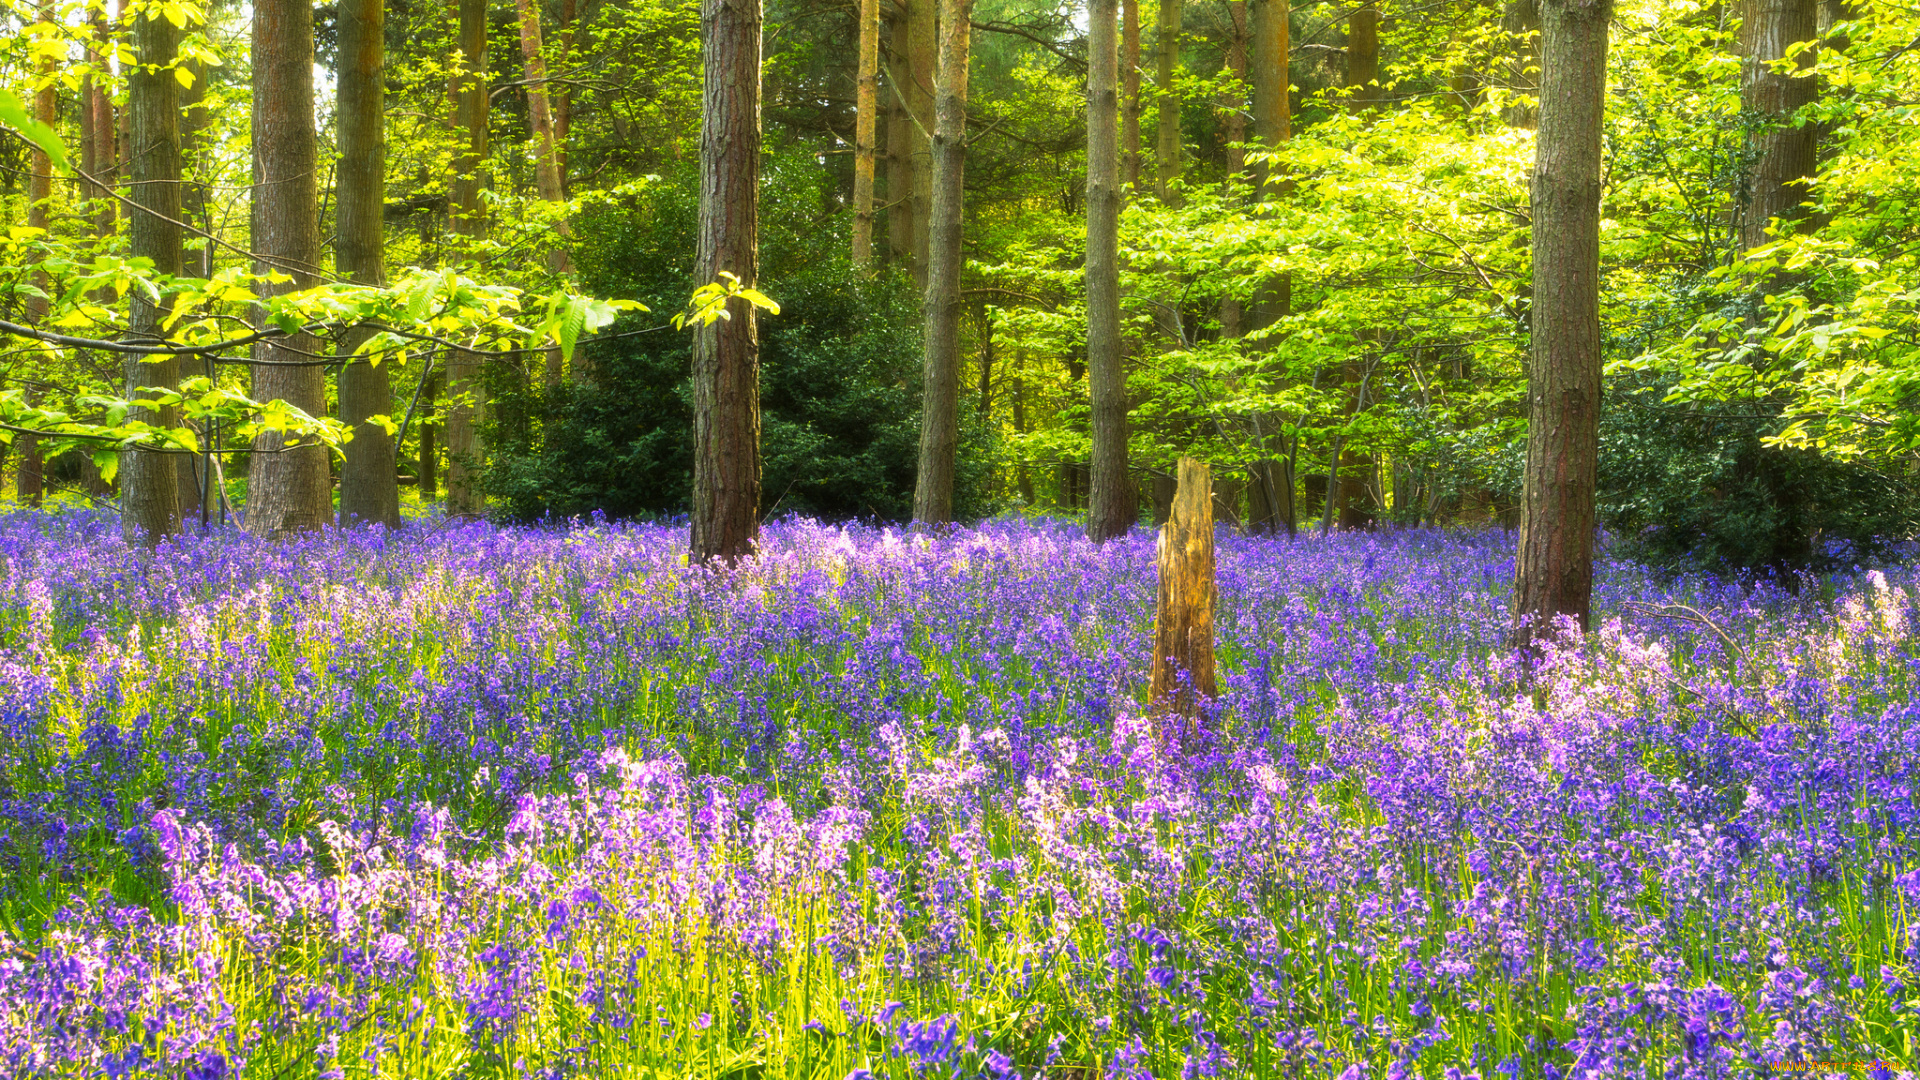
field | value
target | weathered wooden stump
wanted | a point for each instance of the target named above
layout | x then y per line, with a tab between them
1183	675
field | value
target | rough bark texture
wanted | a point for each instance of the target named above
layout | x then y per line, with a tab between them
1521	24
288	491
149	482
100	112
900	163
1363	56
369	481
30	477
1783	153
466	397
1183	668
1167	150
1233	111
1554	570
726	354
1270	502
940	400
1130	93
866	105
1110	509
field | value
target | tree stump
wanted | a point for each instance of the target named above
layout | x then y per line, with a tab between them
1183	674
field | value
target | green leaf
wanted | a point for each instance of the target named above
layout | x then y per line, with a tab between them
17	116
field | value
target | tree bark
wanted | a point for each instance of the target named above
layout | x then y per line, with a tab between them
1167	149
149	481
1782	152
1270	502
1233	101
1111	510
466	395
866	104
99	107
1130	93
1183	676
29	477
900	163
429	486
288	490
1363	57
940	401
726	353
1554	569
546	158
369	480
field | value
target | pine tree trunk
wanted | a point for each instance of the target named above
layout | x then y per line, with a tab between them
1130	94
1233	101
1270	502
369	480
149	481
1554	569
29	477
1363	56
1783	153
288	490
1520	22
900	163
546	157
1111	509
466	395
940	401
1167	150
99	106
866	104
726	354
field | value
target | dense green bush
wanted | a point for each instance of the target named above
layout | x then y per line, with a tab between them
1694	487
839	380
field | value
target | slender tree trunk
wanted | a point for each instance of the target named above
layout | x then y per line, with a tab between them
288	490
726	354
1554	569
940	402
866	103
149	481
1783	153
194	470
562	96
466	395
429	486
1521	24
1111	510
99	106
1363	56
1270	501
1130	93
900	163
1233	135
29	478
546	157
369	480
1167	150
922	46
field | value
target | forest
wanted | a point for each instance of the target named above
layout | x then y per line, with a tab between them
959	538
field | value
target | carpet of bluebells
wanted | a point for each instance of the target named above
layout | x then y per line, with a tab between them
479	801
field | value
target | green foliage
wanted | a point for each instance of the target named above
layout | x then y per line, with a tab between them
839	371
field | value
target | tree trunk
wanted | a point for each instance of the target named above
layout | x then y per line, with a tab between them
369	481
1183	666
1111	510
866	102
1554	569
546	158
1521	25
99	106
1783	153
563	97
1233	101
726	353
466	395
1270	501
922	44
429	486
1130	93
288	490
149	481
940	402
29	477
1167	149
900	142
1363	57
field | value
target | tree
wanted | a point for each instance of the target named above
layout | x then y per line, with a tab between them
465	393
866	106
1554	569
1168	152
726	351
1270	492
940	403
289	489
369	481
1773	88
30	477
1110	505
1130	92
